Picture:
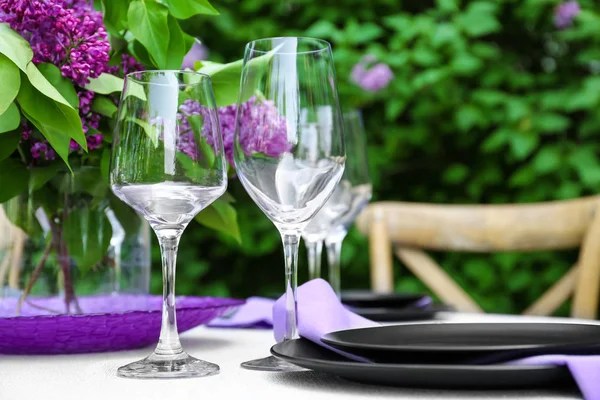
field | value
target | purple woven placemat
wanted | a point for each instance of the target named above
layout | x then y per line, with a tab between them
110	323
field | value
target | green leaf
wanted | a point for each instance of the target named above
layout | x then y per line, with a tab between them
126	215
39	81
57	122
65	87
86	179
523	145
8	143
456	173
105	84
148	22
115	15
104	106
225	80
222	217
585	161
14	178
87	234
150	129
547	160
13	46
184	9
469	116
11	81
549	122
177	47
479	19
40	175
10	119
140	53
226	77
105	166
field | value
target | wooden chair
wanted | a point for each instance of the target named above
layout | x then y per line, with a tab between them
411	228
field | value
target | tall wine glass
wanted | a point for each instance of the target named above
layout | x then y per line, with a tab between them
289	147
168	164
352	193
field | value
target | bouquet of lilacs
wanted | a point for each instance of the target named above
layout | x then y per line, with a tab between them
62	64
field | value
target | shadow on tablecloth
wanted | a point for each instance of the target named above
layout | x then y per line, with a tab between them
319	381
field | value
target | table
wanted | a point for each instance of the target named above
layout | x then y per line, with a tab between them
92	376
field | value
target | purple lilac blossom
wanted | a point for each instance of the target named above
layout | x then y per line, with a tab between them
42	148
262	129
373	79
196	53
565	13
128	64
72	39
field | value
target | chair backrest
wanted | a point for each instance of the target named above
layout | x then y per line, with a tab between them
413	227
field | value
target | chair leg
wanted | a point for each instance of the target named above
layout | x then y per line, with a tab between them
380	253
556	295
437	279
585	300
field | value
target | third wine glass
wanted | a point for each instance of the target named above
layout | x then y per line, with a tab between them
289	147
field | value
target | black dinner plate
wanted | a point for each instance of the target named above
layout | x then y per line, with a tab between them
306	354
475	343
367	298
410	313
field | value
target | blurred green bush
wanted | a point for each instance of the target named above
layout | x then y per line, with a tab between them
490	104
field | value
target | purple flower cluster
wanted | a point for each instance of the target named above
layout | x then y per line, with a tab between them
372	79
42	148
565	13
196	53
73	39
128	64
262	129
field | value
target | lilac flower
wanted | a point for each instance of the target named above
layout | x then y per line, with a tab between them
72	39
262	129
128	64
197	52
25	131
565	13
42	148
374	79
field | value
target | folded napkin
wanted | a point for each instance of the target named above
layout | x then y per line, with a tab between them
257	312
320	312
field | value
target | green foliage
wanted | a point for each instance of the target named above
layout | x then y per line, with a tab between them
87	234
13	179
9	120
490	103
148	22
11	80
58	122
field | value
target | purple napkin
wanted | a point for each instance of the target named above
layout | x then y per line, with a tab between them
256	313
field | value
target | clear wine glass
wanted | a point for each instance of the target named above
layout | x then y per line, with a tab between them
168	164
289	146
351	195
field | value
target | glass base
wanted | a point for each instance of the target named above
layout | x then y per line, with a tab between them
168	367
271	364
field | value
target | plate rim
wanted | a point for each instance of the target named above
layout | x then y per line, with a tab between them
456	349
438	367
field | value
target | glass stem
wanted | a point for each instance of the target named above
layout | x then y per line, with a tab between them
314	249
334	251
291	241
168	344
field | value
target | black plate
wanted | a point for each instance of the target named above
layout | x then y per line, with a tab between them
367	298
477	343
401	314
308	355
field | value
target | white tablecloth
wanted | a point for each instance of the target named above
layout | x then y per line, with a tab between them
92	376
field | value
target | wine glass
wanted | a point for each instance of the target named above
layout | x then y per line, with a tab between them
168	164
289	146
352	193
